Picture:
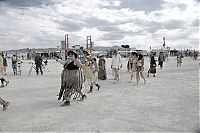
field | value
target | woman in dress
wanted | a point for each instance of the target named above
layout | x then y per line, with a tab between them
152	68
102	68
71	79
140	69
94	69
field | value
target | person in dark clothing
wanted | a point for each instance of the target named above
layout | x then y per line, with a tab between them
102	68
71	78
38	63
161	59
5	64
14	64
152	68
1	72
2	82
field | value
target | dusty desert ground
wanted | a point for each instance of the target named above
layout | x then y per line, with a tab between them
167	103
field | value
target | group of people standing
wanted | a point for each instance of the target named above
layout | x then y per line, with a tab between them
16	64
153	65
14	61
136	66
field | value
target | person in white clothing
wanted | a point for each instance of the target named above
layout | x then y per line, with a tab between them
116	64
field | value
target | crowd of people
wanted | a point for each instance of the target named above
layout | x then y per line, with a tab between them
15	63
77	71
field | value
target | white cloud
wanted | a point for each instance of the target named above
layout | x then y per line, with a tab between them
110	22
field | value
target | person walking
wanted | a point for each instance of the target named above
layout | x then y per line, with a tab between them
140	69
130	62
38	63
71	80
14	63
134	65
94	69
102	68
116	65
179	60
5	64
161	59
152	68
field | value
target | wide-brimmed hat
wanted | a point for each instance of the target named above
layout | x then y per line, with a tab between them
134	53
72	52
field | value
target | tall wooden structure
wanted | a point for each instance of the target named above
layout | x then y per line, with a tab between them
164	42
66	42
89	43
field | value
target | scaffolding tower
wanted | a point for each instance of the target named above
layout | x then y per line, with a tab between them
89	43
66	42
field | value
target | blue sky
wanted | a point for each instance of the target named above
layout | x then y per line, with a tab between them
143	23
